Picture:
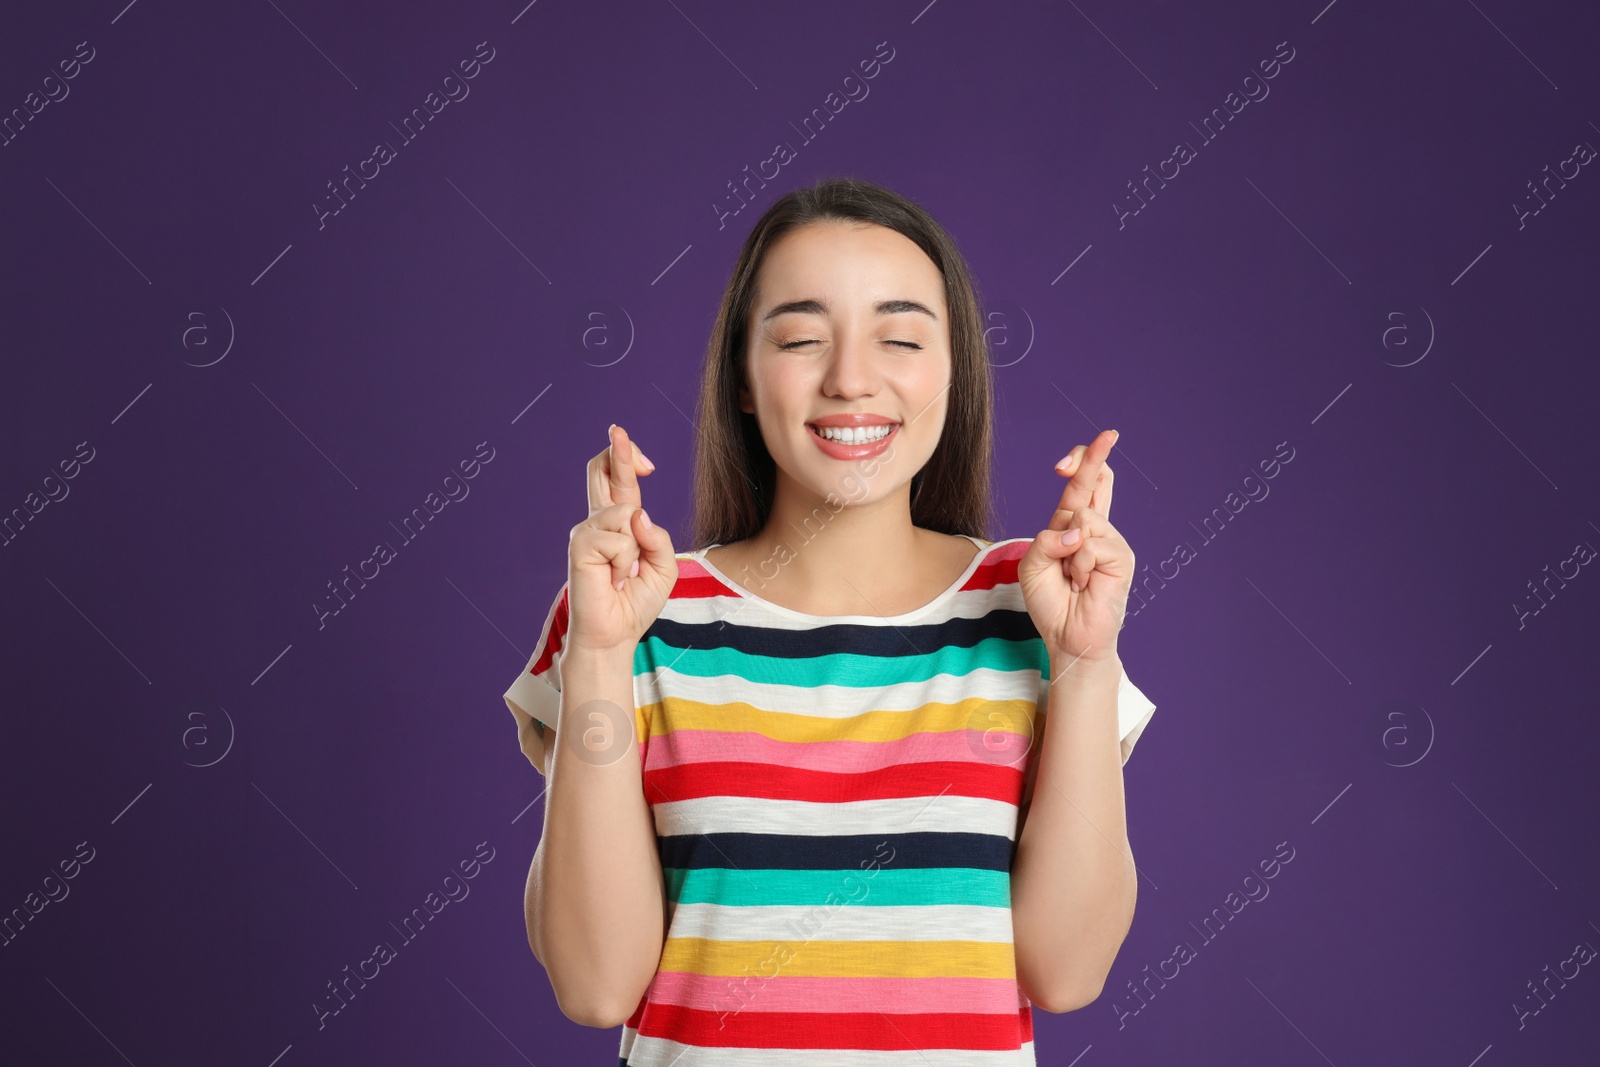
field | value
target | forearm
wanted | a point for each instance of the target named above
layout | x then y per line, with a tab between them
594	897
1073	881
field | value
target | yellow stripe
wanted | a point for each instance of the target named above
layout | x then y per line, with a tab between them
972	713
832	959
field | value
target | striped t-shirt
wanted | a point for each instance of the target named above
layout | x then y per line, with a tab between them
835	802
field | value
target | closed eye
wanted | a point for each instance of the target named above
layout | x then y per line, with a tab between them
795	344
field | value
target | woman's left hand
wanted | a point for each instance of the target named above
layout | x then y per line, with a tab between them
1077	594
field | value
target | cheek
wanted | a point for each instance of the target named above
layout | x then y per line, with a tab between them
782	390
924	376
926	390
784	377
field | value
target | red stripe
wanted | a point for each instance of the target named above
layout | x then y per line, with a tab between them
695	581
557	636
638	1012
999	568
841	1030
772	782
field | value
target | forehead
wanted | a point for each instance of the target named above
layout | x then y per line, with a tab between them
848	266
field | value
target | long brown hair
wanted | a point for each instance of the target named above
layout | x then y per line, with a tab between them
735	477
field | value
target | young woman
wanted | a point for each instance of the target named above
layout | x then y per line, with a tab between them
805	797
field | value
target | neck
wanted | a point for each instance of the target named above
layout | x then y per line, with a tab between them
836	549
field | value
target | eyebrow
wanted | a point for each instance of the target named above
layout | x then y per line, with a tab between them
819	307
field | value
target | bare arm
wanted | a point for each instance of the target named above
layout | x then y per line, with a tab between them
595	893
595	901
1073	881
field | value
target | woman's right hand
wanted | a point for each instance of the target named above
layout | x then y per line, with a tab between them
621	567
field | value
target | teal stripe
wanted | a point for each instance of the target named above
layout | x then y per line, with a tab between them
886	887
840	668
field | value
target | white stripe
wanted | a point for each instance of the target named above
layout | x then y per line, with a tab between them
896	815
965	604
657	1052
861	921
841	701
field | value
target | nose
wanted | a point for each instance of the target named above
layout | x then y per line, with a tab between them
852	370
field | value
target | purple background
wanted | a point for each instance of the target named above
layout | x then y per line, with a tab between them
1341	667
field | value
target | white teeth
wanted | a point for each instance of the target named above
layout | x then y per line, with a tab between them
859	435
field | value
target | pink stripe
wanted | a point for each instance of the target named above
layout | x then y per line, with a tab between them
984	996
991	744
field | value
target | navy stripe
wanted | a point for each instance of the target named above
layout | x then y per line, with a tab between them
795	852
860	639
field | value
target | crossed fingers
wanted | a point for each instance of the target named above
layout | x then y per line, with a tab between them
1091	481
1097	542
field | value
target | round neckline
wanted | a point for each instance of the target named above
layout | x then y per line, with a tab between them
699	556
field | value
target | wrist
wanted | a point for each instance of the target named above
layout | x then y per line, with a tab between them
1089	667
590	659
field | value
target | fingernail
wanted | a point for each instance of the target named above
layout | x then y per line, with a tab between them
1064	461
644	518
1070	537
633	571
648	465
619	585
613	426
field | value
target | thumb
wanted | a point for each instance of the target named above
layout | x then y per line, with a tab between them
1047	547
655	544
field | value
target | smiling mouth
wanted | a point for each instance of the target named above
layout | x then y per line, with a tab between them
863	435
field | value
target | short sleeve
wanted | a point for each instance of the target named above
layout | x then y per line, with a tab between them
534	699
1133	711
1133	714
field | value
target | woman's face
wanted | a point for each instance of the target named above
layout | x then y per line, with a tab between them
849	318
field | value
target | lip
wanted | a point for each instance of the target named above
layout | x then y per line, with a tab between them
853	418
837	450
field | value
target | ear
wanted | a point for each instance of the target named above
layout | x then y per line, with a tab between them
746	404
